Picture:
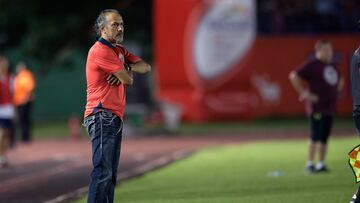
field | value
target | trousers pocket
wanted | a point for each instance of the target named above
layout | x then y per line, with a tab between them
107	118
89	124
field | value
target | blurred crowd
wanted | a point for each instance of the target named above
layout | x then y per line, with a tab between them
307	16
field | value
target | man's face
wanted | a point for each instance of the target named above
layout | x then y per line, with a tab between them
327	53
113	30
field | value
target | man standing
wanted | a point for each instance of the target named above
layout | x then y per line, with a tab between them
355	92
109	70
324	84
23	97
355	87
7	111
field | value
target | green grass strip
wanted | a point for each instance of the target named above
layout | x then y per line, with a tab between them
239	174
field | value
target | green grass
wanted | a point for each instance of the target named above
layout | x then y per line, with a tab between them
53	129
238	174
258	125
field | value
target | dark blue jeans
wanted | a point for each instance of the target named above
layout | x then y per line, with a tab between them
105	131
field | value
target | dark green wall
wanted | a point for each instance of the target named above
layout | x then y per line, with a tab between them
61	92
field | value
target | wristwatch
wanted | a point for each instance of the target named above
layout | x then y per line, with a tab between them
127	67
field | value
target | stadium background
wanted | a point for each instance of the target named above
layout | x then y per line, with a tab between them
54	37
54	40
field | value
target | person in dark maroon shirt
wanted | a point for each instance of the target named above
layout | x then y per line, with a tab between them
320	95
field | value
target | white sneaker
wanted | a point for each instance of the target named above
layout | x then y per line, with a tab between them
354	199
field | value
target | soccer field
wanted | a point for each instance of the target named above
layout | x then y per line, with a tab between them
243	174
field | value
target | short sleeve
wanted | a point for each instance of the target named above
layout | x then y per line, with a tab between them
129	57
304	71
107	60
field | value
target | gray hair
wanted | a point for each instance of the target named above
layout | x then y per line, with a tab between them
101	20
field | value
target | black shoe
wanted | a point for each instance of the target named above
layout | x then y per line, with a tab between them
322	169
354	199
310	169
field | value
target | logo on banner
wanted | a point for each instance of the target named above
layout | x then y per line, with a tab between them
224	36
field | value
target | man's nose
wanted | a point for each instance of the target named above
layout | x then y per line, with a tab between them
120	28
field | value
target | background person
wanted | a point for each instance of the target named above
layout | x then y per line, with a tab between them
7	111
24	84
324	84
355	93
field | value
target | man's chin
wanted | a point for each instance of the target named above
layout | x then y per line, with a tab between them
119	40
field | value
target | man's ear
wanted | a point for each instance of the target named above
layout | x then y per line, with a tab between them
102	30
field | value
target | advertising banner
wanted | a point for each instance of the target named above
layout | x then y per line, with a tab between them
211	63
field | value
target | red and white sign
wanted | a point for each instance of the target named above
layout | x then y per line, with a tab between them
222	37
210	62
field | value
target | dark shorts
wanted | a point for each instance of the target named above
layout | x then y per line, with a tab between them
320	127
356	117
6	123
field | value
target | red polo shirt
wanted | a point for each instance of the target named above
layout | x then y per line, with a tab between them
104	59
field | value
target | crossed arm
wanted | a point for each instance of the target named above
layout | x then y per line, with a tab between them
125	76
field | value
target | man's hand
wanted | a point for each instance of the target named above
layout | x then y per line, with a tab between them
304	93
140	67
308	96
131	74
113	80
